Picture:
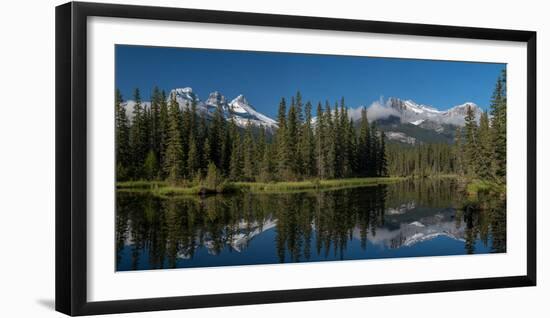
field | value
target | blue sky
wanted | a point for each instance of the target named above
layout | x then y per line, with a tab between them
266	77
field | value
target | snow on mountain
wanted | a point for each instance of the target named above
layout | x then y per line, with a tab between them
418	231
129	106
215	100
239	108
417	114
455	115
401	137
238	241
243	112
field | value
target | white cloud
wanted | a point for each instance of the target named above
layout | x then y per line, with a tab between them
376	110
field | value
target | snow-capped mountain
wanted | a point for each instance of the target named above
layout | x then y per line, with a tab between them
216	100
418	114
403	120
406	232
239	109
243	112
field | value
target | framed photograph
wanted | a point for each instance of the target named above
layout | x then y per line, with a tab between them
208	158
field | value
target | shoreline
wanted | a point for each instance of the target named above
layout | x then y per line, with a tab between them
166	189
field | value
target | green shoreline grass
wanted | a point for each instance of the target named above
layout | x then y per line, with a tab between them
166	189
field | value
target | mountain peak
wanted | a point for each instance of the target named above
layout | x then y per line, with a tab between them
182	90
239	109
216	99
184	94
240	99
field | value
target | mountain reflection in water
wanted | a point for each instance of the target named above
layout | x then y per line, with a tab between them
406	219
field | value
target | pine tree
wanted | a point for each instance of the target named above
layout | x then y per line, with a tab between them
154	129
236	161
320	154
291	143
299	107
163	130
337	143
330	141
260	146
459	151
363	145
345	141
283	155
213	178
122	139
307	144
248	154
352	149
485	148
470	142
498	125
174	152
138	136
382	160
267	166
150	166
193	158
374	150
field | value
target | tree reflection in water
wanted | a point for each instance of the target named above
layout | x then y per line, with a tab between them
356	223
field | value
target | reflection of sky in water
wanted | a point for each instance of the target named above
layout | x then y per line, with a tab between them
404	234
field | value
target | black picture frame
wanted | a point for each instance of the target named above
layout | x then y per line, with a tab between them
71	157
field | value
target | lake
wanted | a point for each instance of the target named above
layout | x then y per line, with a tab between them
428	217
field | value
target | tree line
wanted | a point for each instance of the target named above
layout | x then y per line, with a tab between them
480	148
167	142
478	151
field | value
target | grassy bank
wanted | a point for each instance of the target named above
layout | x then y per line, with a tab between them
482	194
297	186
476	187
162	188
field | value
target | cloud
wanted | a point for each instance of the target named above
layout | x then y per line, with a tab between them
376	110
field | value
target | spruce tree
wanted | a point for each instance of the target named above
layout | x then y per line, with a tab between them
337	143
150	166
374	149
267	165
299	107
485	148
156	98
498	125
122	139
382	160
352	149
291	144
307	144
193	158
330	141
163	130
363	145
283	155
320	154
138	136
248	154
236	162
174	152
470	142
458	151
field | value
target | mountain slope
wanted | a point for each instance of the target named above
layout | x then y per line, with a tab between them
404	121
239	109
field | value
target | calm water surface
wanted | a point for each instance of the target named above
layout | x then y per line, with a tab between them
411	218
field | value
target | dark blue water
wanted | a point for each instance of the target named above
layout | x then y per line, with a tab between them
409	219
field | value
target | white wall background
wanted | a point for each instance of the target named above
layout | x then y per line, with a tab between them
27	158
